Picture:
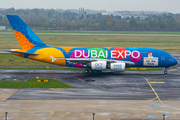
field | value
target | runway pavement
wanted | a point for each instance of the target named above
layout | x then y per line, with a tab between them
100	34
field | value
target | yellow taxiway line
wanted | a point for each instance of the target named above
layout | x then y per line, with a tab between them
156	82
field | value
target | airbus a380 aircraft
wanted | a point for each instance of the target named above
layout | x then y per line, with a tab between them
95	59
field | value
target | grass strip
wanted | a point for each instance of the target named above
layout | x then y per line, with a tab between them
42	68
105	32
32	83
147	69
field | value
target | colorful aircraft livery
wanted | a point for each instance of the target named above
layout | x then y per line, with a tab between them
95	59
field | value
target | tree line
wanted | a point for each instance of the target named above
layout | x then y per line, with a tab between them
50	19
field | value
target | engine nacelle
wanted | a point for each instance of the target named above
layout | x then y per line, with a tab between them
98	65
117	66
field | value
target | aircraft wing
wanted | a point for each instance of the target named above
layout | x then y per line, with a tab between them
128	63
86	61
82	61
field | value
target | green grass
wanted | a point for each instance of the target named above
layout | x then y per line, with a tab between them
167	43
6	31
147	69
43	68
12	60
32	83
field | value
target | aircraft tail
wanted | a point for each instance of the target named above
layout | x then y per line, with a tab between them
26	37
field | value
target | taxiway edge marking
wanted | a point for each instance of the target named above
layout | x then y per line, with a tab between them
161	76
154	92
152	89
31	71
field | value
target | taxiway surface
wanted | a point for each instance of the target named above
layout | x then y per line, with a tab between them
129	85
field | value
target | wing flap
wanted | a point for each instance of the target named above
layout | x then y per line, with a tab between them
87	60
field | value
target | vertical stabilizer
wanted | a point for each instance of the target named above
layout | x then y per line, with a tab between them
26	37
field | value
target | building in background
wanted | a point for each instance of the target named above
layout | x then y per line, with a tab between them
138	15
81	11
69	14
105	14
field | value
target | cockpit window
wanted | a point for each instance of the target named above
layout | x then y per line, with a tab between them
170	56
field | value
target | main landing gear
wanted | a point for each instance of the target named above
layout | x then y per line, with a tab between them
87	71
165	71
92	71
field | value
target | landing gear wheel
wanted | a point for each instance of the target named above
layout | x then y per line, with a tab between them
100	71
86	71
165	72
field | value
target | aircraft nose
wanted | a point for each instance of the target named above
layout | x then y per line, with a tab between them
175	61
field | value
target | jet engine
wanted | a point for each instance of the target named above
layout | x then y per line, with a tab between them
98	65
117	66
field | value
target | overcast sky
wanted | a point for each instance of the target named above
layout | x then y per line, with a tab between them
109	5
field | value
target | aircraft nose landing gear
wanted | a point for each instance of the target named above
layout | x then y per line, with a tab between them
87	71
93	71
165	71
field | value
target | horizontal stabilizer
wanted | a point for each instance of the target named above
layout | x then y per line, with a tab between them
19	52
